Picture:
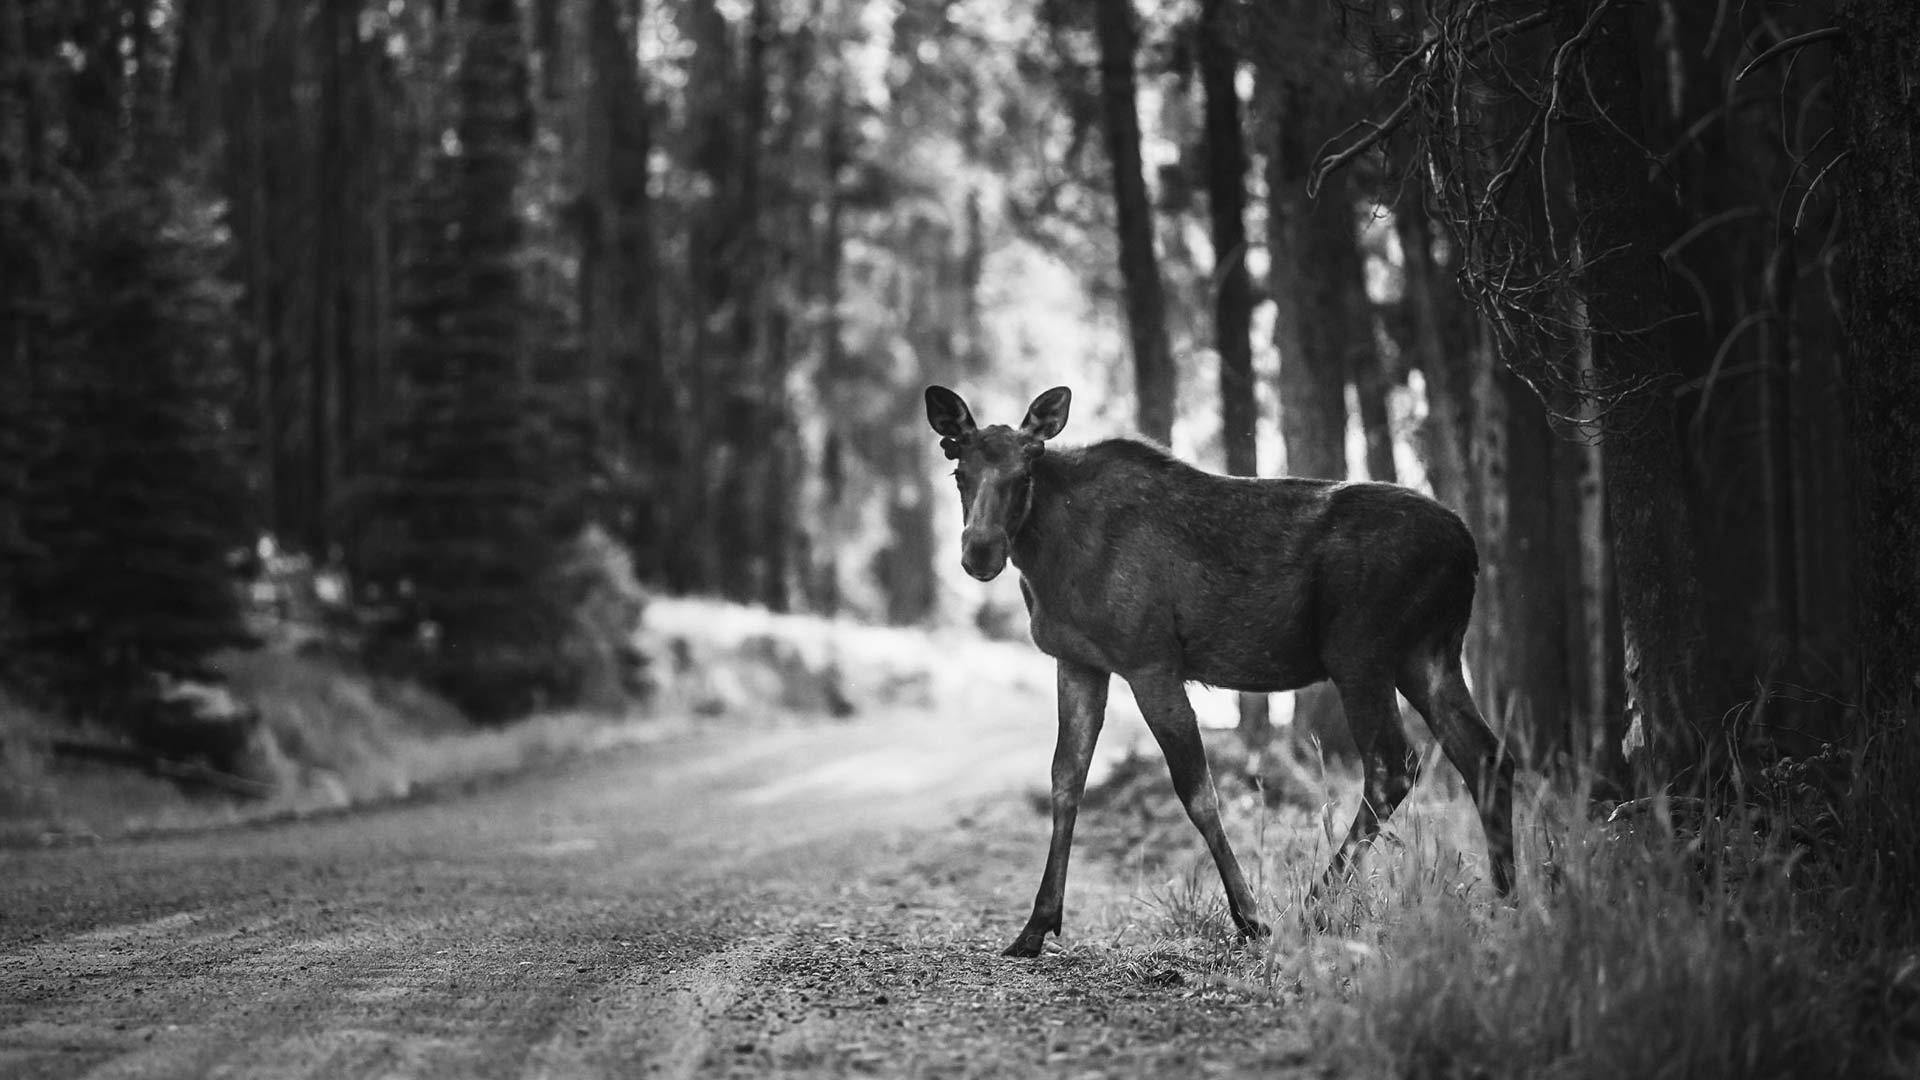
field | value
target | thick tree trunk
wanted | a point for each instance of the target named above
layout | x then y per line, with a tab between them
713	250
1595	680
834	454
761	333
619	297
1441	359
1536	705
1879	195
1226	200
1372	387
1675	730
1316	286
1320	320
1233	288
1139	266
1490	636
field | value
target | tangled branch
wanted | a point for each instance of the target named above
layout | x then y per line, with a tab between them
1473	97
1473	101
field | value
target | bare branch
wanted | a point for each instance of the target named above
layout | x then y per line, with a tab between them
1815	183
1721	218
1780	48
1325	163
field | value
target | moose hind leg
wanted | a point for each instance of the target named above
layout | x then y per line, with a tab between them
1439	691
1386	760
1083	708
1163	701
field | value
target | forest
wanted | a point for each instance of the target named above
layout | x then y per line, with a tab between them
442	318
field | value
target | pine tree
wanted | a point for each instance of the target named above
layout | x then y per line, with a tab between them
460	534
18	252
122	498
138	506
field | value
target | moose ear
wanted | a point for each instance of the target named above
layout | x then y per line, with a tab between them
948	414
1048	413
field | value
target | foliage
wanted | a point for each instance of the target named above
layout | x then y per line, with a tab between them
460	547
1870	866
1645	951
136	502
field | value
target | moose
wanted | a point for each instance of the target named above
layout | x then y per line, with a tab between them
1135	563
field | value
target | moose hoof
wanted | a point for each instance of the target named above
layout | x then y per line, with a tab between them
1254	928
1026	945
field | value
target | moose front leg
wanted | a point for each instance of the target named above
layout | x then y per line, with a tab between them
1083	708
1163	701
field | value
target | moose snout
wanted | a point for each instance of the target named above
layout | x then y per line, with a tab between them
983	557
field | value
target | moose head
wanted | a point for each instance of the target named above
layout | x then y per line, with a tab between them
994	471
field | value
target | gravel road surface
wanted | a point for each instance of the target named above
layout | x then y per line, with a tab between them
819	899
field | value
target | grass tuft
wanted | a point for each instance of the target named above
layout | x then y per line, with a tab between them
1644	952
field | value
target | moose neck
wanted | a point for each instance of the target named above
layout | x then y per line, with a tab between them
1085	496
1042	525
1063	522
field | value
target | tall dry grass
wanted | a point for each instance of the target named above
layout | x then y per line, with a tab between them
1658	950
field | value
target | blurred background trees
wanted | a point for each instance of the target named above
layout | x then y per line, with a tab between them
423	290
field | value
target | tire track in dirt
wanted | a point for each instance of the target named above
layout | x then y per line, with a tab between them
659	1021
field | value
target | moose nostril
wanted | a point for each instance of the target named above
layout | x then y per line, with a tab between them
981	560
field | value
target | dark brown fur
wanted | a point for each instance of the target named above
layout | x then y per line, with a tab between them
1248	581
1137	564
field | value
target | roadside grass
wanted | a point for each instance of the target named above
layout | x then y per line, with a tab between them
326	739
1652	951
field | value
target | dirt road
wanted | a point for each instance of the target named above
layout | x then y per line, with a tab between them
824	899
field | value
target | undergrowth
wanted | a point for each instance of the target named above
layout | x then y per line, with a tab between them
1651	950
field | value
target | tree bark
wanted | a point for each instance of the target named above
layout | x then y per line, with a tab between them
1879	193
1593	648
1372	388
1226	201
1490	637
1233	288
1440	356
697	562
619	297
1139	266
1315	278
1535	704
1319	296
1675	737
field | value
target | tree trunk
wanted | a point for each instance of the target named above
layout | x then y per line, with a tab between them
1593	650
697	562
1441	360
1675	732
1139	266
1314	325
619	298
1490	635
1233	288
1319	297
1879	104
835	456
1532	598
1372	387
